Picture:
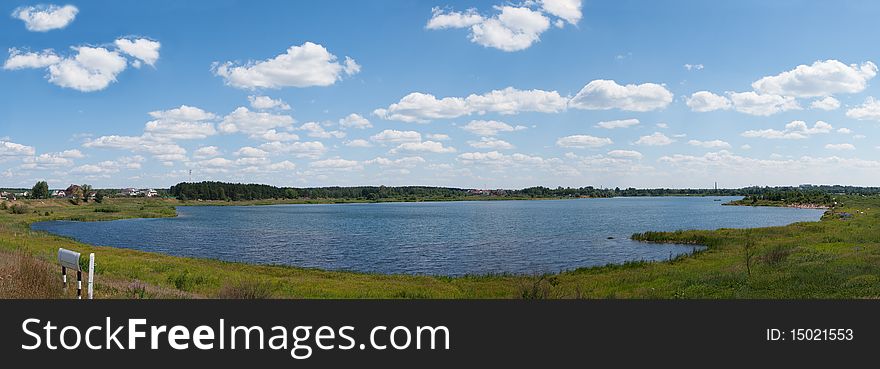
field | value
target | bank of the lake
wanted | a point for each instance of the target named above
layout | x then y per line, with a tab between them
838	257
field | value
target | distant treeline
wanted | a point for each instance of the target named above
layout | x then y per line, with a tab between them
239	191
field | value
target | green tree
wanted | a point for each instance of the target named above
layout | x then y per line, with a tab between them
86	189
40	190
99	196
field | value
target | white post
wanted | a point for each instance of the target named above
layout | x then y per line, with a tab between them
91	275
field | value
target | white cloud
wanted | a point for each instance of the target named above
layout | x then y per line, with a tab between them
510	101
511	29
355	121
358	143
822	78
350	66
266	102
251	152
612	124
625	154
826	103
583	141
424	146
162	151
335	163
713	144
420	107
407	162
42	18
869	110
606	94
442	19
437	136
311	149
92	69
273	135
762	105
840	147
106	167
395	136
794	130
253	123
655	139
21	60
207	152
318	131
491	143
704	101
497	159
89	69
143	49
490	127
844	130
301	66
569	10
693	66
662	125
183	113
11	149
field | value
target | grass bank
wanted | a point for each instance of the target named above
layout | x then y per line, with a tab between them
838	257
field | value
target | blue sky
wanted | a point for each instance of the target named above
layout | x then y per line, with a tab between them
467	94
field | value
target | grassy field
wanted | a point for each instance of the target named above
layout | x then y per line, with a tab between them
838	257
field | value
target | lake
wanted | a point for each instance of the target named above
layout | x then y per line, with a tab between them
436	238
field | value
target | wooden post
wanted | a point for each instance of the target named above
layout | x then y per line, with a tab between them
64	277
79	284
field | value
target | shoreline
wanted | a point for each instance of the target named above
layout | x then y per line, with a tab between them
204	277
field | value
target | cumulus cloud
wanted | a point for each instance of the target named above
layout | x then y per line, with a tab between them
437	136
306	65
316	130
406	162
266	103
311	149
568	10
694	66
490	127
612	124
355	121
869	110
22	59
89	68
583	141
704	101
207	152
625	154
606	94
713	144
491	143
253	123
655	139
826	103
335	164
10	150
43	18
395	136
840	147
144	50
420	107
512	28
762	105
358	143
795	130
822	78
163	151
424	146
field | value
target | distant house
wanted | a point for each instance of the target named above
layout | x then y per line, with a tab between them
7	196
59	193
149	192
73	190
129	192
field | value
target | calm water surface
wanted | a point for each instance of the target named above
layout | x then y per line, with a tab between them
440	238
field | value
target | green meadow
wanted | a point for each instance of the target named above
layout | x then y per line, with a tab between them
837	257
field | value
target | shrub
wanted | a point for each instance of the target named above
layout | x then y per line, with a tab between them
108	209
19	209
136	290
3	205
246	290
777	255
